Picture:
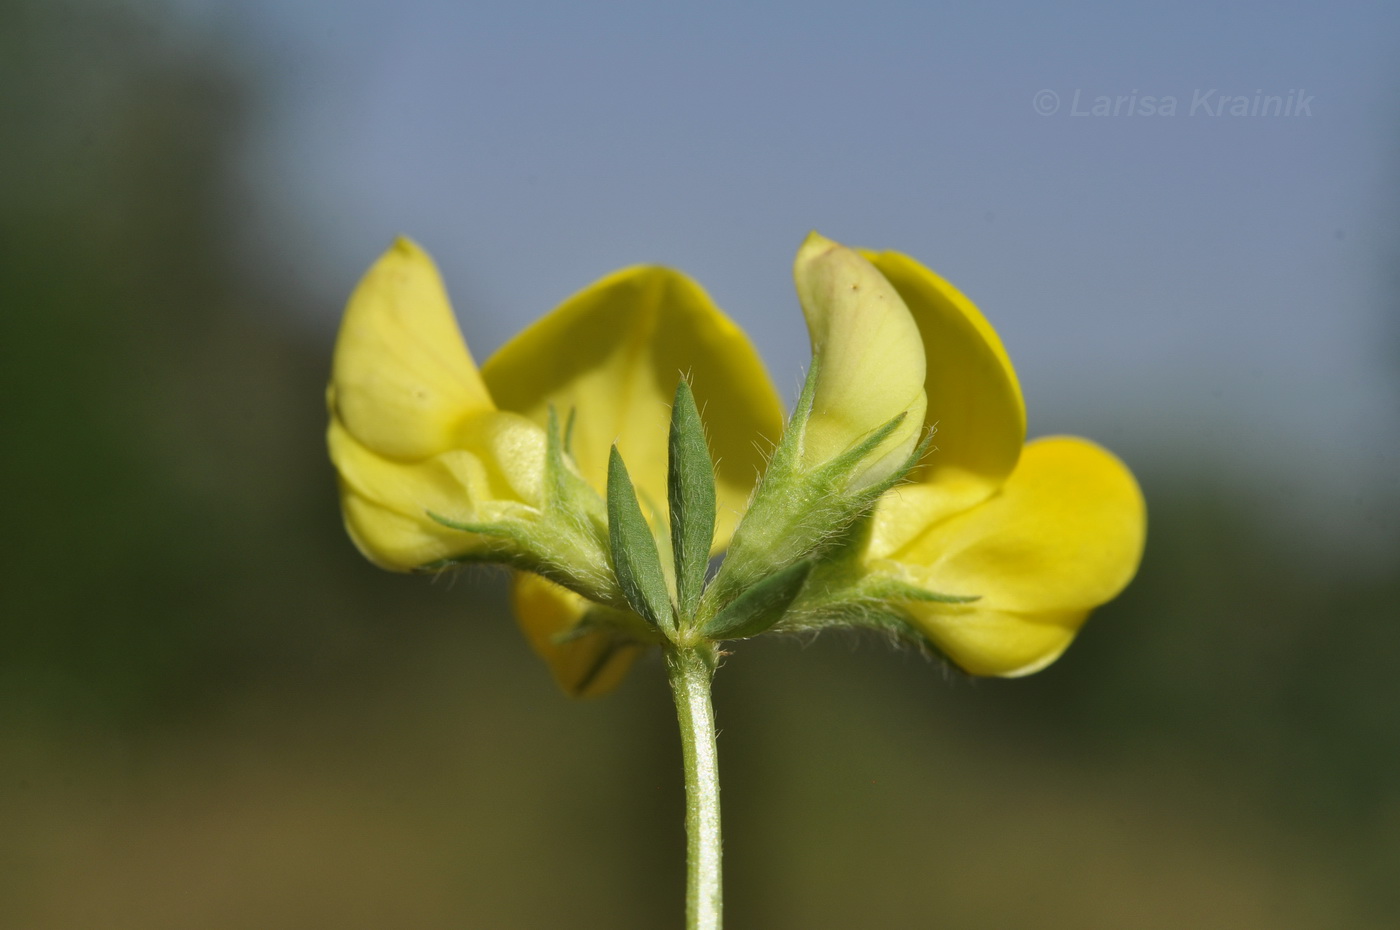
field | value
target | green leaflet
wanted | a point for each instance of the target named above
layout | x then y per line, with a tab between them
691	487
759	607
635	559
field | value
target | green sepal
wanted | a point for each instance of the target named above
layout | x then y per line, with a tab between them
635	559
760	607
796	515
564	539
568	427
508	544
843	593
790	445
503	530
875	491
555	472
888	589
691	491
847	463
830	600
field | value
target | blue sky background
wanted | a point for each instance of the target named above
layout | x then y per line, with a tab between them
215	714
1215	291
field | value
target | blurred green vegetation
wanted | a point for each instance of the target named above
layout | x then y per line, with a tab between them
214	714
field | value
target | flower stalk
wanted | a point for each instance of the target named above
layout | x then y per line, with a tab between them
690	671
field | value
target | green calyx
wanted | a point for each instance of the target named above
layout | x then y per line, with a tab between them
792	564
801	514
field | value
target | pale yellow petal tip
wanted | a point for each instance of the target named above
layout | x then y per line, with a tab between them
1036	665
817	251
403	251
814	245
407	246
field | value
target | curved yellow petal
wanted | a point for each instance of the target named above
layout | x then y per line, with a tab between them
612	355
588	665
983	641
869	357
495	474
974	399
1064	533
402	379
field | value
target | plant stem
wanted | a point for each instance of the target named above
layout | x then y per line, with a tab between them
690	670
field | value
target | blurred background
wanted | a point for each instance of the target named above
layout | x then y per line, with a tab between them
215	714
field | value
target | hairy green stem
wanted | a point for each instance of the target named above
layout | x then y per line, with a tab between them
690	670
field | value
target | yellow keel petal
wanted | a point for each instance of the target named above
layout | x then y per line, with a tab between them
588	665
1065	533
983	641
869	357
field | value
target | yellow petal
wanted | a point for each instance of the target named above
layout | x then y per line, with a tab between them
974	399
495	474
613	353
983	641
904	512
402	379
585	666
869	356
1065	533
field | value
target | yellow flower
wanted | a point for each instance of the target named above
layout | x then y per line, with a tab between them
1039	533
992	550
413	427
425	443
